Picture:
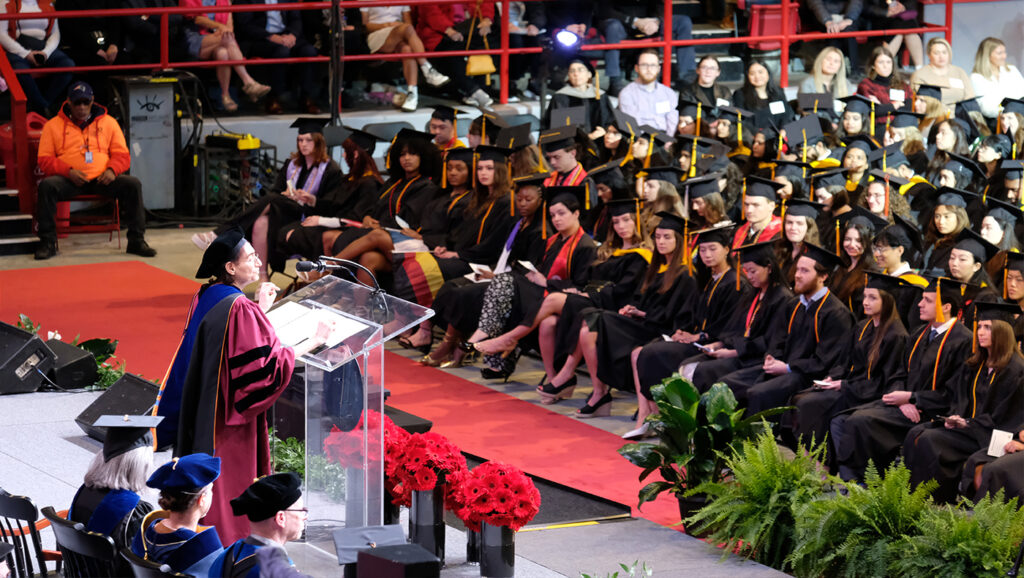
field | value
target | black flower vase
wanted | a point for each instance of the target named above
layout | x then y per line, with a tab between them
497	551
426	519
392	511
472	547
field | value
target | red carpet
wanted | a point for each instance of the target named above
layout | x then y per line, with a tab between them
144	307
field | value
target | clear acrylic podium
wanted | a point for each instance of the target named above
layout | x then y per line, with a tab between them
344	398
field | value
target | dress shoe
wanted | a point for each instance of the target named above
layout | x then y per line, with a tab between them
141	248
603	408
310	107
273	106
638	433
46	249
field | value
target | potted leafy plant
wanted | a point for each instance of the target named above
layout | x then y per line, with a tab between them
694	432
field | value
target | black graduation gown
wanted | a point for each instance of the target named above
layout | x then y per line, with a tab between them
854	301
307	241
936	256
618	335
863	382
811	344
597	112
612	284
479	238
529	296
404	198
459	301
709	312
1003	473
87	504
987	401
442	217
875	431
750	344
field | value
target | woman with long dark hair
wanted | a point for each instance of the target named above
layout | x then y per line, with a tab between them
884	80
848	281
798	227
947	137
761	93
947	220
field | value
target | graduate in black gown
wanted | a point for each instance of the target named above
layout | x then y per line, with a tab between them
108	502
172	535
707	316
916	394
613	278
608	339
514	298
948	218
459	301
875	355
984	475
817	326
988	394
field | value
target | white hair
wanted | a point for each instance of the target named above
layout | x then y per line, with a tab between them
128	471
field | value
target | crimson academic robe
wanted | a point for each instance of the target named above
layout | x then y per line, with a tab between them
238	370
875	431
987	400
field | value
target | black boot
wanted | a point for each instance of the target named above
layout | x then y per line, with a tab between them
136	247
47	248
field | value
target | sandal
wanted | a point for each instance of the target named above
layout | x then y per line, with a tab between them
407	343
229	104
255	90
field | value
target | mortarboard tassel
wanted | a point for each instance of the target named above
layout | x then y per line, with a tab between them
697	128
778	153
650	150
639	230
597	83
815	106
444	173
1006	296
586	194
739	128
939	316
738	273
999	120
872	119
512	196
743	200
803	157
544	220
886	195
387	159
838	245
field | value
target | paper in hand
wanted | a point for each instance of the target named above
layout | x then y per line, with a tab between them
402	222
528	266
997	444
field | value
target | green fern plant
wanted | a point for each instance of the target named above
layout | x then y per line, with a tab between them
755	510
852	535
955	543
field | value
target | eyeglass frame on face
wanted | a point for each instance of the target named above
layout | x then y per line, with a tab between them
708	67
648	65
302	510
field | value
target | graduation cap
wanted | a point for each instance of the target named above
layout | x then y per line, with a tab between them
126	433
821	256
1001	144
804	208
962	110
619	207
557	138
711	163
859	104
626	124
515	138
672	222
996	311
535	179
490	122
1013	168
976	245
793	170
829	178
905	118
815	103
608	174
759	187
945	289
903	234
887	283
445	112
569	116
1003	211
361	138
866	218
186	473
408	134
463	154
757	252
1014	262
310	125
1012	105
223	249
668	174
895	182
689	107
699	187
349	542
930	90
656	135
582	60
738	116
555	195
951	197
805	131
862	142
964	167
720	235
492	153
268	496
890	156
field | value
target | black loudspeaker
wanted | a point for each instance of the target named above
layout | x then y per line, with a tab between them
74	366
24	360
130	395
402	561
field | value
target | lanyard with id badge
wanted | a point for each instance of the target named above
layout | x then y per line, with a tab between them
88	153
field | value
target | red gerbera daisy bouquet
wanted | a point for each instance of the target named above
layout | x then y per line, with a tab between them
345	448
498	494
424	459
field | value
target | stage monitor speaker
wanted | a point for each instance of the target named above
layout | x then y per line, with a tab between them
130	395
24	360
401	561
74	367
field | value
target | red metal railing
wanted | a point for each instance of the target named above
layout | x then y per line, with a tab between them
666	44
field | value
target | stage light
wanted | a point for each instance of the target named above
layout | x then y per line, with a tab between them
567	39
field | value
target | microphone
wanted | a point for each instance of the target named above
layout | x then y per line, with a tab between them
378	306
307	266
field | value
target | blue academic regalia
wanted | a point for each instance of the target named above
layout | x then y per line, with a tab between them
237	561
183	550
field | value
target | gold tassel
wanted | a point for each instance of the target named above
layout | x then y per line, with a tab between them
778	153
693	160
974	332
940	317
387	159
544	220
444	173
886	193
743	200
803	157
697	128
586	194
999	120
512	195
476	157
597	83
738	272
1005	295
739	128
839	247
782	210
872	119
639	230
650	150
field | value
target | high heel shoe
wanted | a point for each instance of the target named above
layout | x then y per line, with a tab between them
550	394
502	374
602	409
429	361
460	359
406	343
639	433
466	346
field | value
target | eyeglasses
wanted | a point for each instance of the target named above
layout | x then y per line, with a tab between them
302	510
649	65
706	67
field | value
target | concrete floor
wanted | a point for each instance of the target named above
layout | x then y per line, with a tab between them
43	454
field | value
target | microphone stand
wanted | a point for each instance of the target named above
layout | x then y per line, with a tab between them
1016	564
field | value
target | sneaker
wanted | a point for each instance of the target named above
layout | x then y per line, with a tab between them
435	78
412	102
46	249
141	248
479	99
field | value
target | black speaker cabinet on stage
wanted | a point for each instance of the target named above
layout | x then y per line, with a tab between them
24	360
401	561
74	366
130	395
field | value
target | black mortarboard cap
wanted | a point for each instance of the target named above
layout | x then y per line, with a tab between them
126	433
223	249
964	166
557	138
890	156
951	197
886	283
806	127
976	245
608	174
492	153
668	174
619	207
493	117
186	473
464	154
268	496
720	235
895	182
515	137
768	129
830	177
688	107
997	311
711	163
804	208
866	218
968	105
793	170
649	132
816	102
733	114
1015	261
582	60
1013	168
555	195
309	124
862	142
569	116
703	186
1014	105
445	112
912	233
408	134
758	187
859	104
671	222
1003	211
824	257
627	125
930	90
361	138
757	252
535	179
904	118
